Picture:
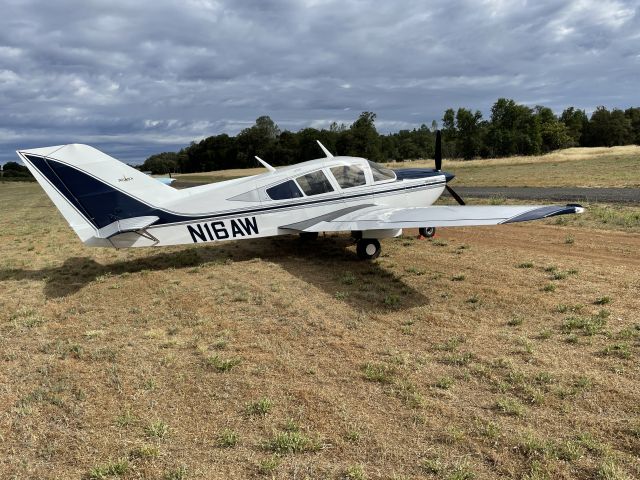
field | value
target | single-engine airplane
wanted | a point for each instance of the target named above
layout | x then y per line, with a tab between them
110	204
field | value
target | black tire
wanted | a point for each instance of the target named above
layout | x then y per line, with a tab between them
368	248
308	236
427	232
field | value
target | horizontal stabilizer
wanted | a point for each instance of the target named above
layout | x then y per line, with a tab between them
126	225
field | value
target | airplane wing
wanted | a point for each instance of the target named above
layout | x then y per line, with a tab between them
373	217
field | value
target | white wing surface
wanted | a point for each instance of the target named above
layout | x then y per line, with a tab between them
372	217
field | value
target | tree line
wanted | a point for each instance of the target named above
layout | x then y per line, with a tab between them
512	129
13	171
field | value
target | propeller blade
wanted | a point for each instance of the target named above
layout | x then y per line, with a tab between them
438	155
453	193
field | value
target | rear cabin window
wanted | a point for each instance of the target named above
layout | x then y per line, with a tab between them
349	176
381	173
285	190
314	183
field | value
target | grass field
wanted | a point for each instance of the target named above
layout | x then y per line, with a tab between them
578	167
496	352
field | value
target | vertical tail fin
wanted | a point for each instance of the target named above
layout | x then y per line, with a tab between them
93	190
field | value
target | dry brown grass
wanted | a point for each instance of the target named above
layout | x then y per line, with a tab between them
380	370
581	167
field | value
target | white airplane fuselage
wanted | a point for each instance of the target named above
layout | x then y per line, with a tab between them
110	204
242	208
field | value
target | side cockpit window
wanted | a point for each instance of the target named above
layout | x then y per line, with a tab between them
283	191
381	173
314	183
349	176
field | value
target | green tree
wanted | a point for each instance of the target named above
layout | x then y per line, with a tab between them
608	128
554	133
161	163
621	130
469	133
449	134
15	170
576	122
633	114
363	139
514	130
257	140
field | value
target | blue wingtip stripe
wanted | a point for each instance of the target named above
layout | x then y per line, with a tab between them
544	212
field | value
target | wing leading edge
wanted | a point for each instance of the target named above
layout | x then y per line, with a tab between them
371	217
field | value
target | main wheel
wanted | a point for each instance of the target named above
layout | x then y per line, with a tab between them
308	236
368	248
427	232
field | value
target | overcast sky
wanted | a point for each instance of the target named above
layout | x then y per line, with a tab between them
139	77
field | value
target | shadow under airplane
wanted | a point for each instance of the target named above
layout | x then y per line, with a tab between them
326	263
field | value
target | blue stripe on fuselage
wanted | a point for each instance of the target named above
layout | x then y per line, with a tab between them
416	173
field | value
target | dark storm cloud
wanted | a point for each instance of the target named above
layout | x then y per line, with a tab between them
135	78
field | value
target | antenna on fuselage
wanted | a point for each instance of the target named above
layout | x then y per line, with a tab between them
327	153
265	164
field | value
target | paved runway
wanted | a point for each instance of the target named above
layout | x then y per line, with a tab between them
568	194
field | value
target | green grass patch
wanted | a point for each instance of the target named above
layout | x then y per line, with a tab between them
444	383
157	429
115	469
260	407
602	301
292	442
586	325
227	438
378	372
222	364
144	452
619	350
510	406
515	321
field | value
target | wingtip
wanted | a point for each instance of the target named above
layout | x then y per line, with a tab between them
577	207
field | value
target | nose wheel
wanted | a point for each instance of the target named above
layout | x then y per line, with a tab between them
427	232
368	248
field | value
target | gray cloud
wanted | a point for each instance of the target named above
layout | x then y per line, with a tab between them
135	78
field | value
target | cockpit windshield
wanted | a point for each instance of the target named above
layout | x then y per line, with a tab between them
380	173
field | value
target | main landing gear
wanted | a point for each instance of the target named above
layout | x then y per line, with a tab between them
427	232
368	248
